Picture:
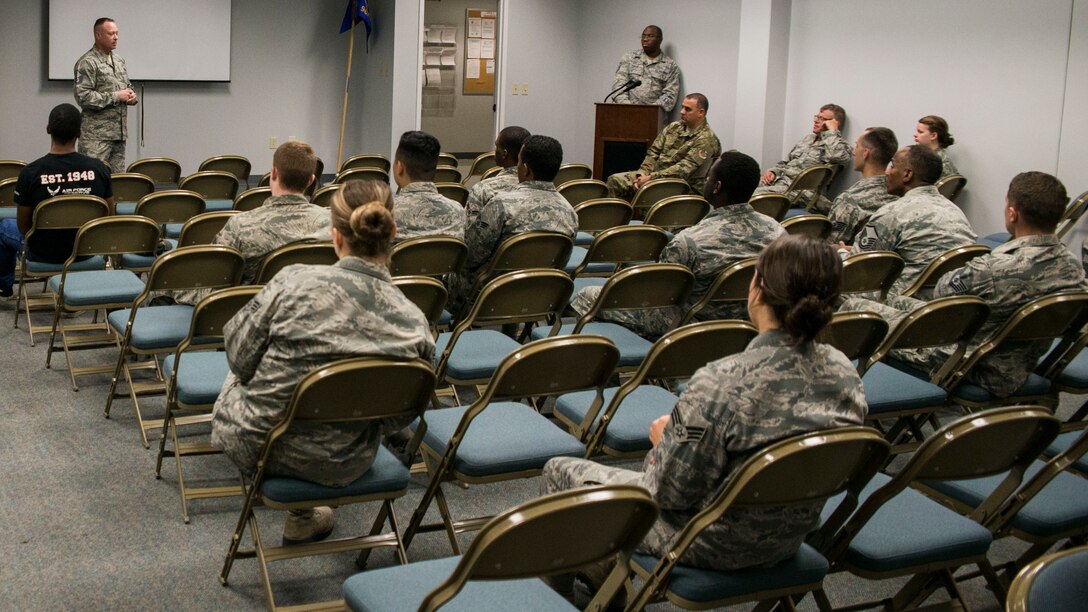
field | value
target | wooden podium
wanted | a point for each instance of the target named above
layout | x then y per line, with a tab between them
622	135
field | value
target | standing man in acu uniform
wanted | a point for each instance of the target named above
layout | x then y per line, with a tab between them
104	92
658	73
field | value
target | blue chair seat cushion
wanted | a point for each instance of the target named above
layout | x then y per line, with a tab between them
1075	375
1060	584
1062	444
173	230
386	475
445	318
41	267
200	376
888	389
476	354
137	260
95	287
125	208
995	240
633	347
1061	506
911	530
155	327
403	587
578	255
704	585
11	212
629	430
583	239
970	392
218	205
506	437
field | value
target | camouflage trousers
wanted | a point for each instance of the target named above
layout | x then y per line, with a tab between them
928	359
800	198
109	152
622	185
651	323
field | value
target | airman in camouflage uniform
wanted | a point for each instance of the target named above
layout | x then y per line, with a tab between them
281	220
919	226
1029	266
533	206
104	92
947	167
421	211
852	208
733	407
825	145
306	317
483	192
659	74
685	149
724	237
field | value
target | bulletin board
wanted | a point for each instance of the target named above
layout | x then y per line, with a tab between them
479	75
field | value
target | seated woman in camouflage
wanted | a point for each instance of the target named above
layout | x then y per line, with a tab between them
783	384
306	317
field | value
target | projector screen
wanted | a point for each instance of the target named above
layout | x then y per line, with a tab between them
160	40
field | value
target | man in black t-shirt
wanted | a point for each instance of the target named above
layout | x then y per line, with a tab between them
62	171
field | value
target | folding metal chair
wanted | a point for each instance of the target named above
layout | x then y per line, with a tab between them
871	272
581	190
251	199
236	165
202	228
951	186
157	330
447	174
305	253
616	246
595	216
168	209
552	534
480	165
655	190
1054	583
428	256
731	286
352	392
57	213
160	169
97	290
572	172
360	174
367	160
897	531
128	189
522	251
953	259
496	438
447	160
428	294
10	168
454	191
812	225
216	187
618	424
807	468
194	388
812	182
323	196
856	335
774	205
675	213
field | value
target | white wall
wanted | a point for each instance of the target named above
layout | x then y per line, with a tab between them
1073	152
994	70
287	68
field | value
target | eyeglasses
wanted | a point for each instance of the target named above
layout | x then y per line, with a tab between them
822	119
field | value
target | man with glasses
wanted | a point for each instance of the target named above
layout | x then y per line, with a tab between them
825	145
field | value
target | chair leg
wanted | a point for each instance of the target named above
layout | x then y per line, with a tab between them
434	486
239	531
447	520
995	582
116	375
822	602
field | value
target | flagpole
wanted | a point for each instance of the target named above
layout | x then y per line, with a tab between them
347	81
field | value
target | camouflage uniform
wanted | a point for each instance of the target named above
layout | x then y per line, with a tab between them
732	408
919	226
677	152
947	167
660	78
421	211
530	207
278	222
853	207
724	237
306	317
481	193
98	78
1015	273
829	148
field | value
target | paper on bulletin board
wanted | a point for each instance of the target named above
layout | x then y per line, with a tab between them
474	27
487	49
490	66
487	28
474	48
472	70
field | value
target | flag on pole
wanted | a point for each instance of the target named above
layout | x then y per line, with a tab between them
361	13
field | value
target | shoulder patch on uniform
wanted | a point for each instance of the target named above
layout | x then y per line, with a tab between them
684	433
957	284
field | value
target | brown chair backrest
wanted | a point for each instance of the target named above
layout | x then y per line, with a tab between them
952	259
160	169
308	253
211	184
428	256
602	213
453	191
366	160
871	271
130	186
774	205
252	198
951	186
675	213
572	172
814	226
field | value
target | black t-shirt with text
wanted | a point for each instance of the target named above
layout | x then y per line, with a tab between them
54	175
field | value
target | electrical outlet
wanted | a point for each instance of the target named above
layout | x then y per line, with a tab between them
515	92
272	142
524	89
292	138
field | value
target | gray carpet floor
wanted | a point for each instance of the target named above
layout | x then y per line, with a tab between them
84	524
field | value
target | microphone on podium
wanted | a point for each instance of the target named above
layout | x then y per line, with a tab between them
628	86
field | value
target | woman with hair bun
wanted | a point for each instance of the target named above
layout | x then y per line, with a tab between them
306	317
783	384
932	131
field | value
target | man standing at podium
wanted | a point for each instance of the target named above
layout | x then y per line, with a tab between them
658	74
684	149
